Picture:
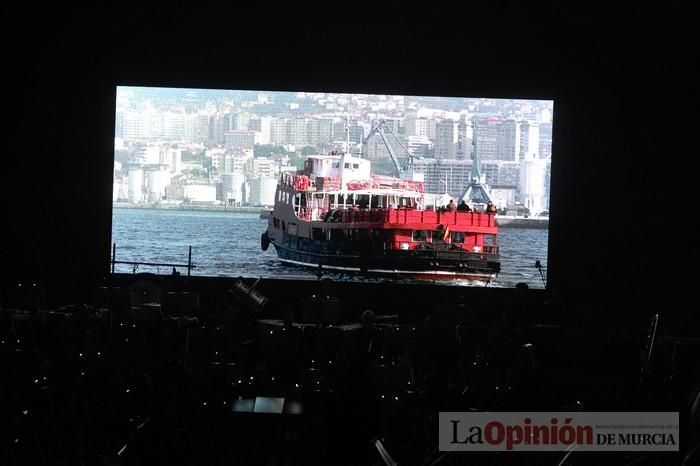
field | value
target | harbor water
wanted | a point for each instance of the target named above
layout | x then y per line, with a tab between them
227	244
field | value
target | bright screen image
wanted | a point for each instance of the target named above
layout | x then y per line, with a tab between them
355	187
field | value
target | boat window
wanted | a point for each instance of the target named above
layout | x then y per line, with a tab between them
358	234
355	165
489	240
438	236
420	235
458	237
347	165
336	164
363	201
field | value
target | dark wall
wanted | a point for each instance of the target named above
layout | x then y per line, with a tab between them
613	76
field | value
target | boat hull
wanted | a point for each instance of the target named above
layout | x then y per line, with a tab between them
399	264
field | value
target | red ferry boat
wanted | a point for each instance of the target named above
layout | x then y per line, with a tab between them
336	215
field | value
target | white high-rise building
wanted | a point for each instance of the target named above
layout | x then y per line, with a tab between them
173	159
375	148
296	131
278	131
545	143
508	144
242	119
445	139
261	167
486	135
236	162
318	131
418	146
417	126
190	127
444	175
263	136
529	140
500	172
219	123
218	158
239	139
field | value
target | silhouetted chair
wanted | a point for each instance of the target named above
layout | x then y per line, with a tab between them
147	290
176	304
468	342
321	310
115	299
379	375
145	303
402	377
281	344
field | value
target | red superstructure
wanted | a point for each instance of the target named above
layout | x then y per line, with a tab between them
334	213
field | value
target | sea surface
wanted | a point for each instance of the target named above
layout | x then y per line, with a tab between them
227	244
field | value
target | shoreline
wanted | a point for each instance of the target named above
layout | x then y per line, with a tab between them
532	223
503	221
191	208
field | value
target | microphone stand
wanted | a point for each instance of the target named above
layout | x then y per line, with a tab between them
538	266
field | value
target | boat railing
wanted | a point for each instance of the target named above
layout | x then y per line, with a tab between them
412	216
136	264
444	247
363	216
304	214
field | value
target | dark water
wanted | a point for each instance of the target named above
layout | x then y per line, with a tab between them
228	244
